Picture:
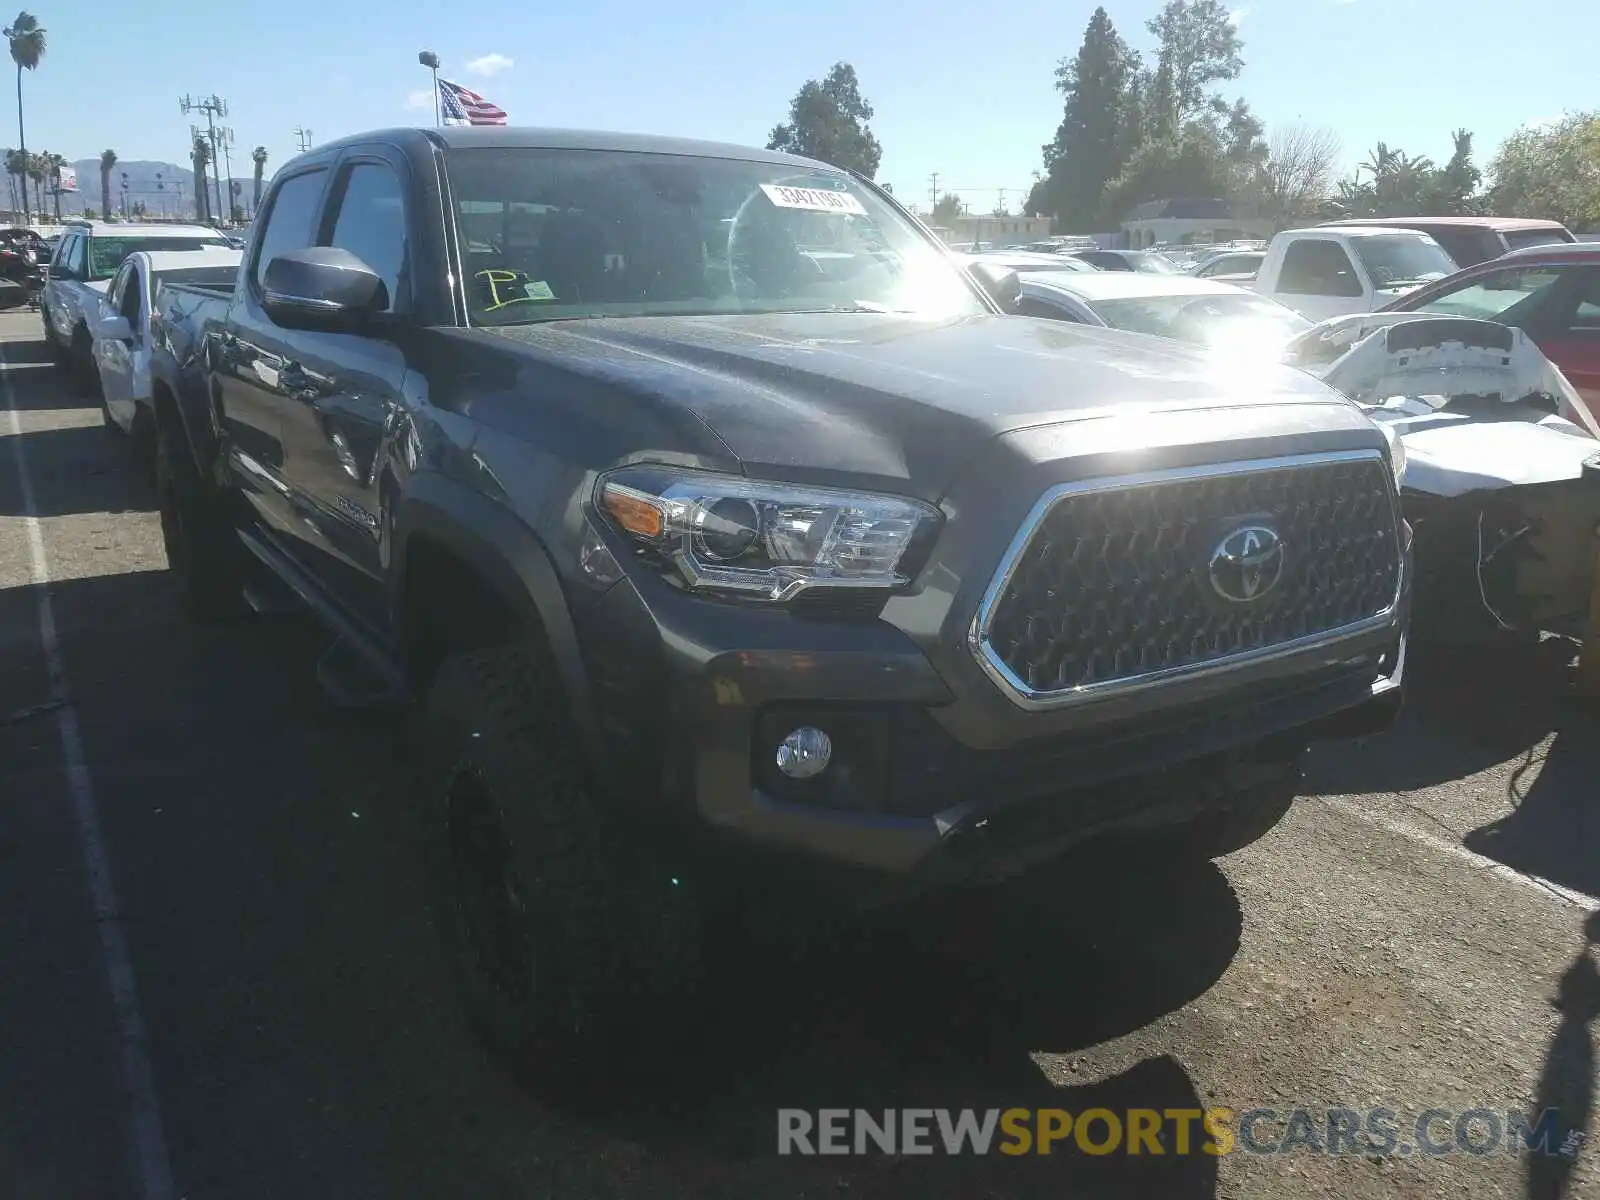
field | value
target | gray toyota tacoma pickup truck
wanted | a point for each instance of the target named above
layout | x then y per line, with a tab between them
722	528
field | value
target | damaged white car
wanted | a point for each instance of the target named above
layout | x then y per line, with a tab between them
1502	467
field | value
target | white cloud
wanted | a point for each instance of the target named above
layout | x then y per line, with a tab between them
489	64
1236	16
422	98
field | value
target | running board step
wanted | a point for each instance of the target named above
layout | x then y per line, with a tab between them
349	681
268	598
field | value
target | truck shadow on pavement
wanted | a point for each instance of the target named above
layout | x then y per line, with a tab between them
286	961
80	469
1566	1083
1464	712
945	1004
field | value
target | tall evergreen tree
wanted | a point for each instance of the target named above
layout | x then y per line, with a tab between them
1093	142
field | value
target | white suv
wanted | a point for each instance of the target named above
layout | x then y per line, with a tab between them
86	258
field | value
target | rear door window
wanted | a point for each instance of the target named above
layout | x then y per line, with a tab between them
1467	246
1318	267
1516	239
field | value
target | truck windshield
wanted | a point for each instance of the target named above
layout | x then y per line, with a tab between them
551	234
1393	260
106	254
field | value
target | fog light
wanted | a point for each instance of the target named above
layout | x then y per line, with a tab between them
805	753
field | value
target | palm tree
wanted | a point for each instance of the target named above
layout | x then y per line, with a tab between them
36	168
27	38
201	156
17	171
259	157
108	159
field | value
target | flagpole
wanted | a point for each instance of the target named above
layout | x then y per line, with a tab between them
431	60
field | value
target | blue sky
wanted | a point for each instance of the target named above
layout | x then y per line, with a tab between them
960	88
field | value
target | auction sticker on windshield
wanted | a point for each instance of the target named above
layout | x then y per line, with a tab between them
813	199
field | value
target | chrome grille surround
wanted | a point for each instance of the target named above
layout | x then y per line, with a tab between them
1357	603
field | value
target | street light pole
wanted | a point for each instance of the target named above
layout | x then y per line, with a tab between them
431	60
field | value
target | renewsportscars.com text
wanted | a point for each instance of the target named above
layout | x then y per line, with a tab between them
1148	1131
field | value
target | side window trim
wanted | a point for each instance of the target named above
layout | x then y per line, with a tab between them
403	304
259	241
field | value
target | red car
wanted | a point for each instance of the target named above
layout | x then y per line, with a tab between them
1551	293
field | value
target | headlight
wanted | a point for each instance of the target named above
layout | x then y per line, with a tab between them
1397	452
767	540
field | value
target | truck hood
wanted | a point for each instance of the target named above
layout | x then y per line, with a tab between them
890	397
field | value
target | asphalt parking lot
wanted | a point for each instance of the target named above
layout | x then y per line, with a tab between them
219	979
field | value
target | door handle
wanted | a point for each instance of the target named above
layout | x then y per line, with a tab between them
300	383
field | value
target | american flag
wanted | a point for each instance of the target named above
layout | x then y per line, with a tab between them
463	106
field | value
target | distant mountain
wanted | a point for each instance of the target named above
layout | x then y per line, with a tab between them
163	187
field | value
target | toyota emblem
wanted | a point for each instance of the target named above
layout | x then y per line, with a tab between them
1247	564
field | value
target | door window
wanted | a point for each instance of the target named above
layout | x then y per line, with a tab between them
118	284
1317	267
1584	321
290	219
1504	296
131	302
76	257
371	224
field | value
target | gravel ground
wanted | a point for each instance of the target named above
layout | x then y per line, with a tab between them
1411	937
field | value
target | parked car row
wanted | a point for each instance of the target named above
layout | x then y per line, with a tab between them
86	259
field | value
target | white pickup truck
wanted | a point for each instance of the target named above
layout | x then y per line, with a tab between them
1322	273
118	325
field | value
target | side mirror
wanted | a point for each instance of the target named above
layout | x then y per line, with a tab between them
322	287
1002	284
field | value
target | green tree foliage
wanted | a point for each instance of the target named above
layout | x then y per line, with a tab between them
1198	45
1455	187
1552	171
1097	129
1189	164
1131	133
828	121
1411	185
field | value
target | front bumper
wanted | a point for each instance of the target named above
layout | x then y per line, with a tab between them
931	782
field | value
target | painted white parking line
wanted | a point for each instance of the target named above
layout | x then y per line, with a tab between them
1457	851
149	1137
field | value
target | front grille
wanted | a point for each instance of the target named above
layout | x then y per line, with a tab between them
1115	581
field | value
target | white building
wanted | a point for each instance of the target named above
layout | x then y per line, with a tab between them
1173	222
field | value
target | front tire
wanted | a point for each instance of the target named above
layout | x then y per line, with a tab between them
203	549
569	942
81	364
58	352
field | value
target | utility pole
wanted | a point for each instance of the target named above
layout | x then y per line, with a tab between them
933	189
1000	202
303	138
213	106
225	139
